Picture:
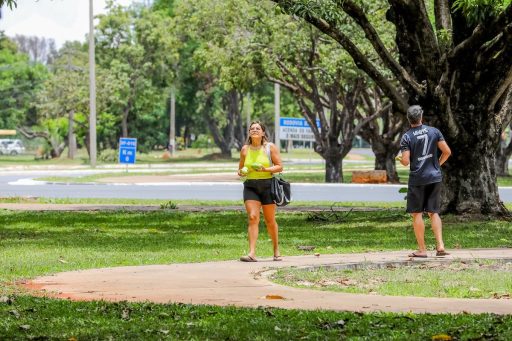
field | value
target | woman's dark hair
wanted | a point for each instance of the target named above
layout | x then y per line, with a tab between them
264	139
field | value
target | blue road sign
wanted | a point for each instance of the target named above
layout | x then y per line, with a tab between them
127	150
296	129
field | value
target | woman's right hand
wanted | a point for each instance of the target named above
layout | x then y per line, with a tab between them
243	171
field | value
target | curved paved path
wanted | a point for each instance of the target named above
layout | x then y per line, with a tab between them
246	284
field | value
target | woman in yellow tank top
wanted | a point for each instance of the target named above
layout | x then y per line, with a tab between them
258	168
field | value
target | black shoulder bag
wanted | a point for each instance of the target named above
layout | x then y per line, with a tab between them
280	189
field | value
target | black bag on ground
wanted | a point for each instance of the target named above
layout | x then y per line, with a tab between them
281	191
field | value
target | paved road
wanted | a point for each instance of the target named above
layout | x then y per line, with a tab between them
20	184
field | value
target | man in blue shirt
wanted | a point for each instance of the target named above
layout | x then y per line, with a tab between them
419	147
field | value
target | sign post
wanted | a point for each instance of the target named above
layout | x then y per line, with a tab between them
127	150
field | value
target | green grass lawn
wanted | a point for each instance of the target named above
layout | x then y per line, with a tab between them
45	319
33	244
478	279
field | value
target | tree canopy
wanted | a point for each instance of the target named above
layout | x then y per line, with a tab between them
455	59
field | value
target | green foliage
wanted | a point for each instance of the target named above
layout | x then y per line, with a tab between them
20	82
137	52
10	3
170	205
480	11
201	141
108	156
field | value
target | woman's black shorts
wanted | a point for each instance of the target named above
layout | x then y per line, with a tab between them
424	198
259	190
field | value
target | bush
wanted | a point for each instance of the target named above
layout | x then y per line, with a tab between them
202	141
109	156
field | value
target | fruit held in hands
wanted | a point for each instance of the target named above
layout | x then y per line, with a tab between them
244	170
257	166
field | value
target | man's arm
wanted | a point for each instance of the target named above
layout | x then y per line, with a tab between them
445	152
406	158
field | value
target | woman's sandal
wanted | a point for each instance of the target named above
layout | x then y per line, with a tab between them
441	253
416	255
278	258
248	258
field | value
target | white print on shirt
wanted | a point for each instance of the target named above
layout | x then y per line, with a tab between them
425	143
424	157
422	131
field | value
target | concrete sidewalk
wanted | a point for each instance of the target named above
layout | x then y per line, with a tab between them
247	285
181	208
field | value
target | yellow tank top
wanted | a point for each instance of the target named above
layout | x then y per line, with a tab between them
257	156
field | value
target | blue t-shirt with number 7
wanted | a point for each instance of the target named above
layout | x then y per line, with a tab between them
422	142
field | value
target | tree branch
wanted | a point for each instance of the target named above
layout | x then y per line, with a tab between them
371	118
482	34
356	13
443	15
359	58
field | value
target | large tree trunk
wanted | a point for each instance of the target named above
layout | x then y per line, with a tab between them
470	181
383	135
502	161
333	166
503	156
71	135
124	122
385	160
224	137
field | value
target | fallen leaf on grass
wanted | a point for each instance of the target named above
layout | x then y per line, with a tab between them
24	327
306	247
6	299
347	281
305	283
500	296
125	315
331	325
442	337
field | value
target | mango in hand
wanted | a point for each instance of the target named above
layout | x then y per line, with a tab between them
256	166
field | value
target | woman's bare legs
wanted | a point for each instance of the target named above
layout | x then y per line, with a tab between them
253	216
269	213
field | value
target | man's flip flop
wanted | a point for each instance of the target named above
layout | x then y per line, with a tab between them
441	253
415	255
248	259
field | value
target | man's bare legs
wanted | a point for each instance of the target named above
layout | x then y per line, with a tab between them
419	232
437	228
